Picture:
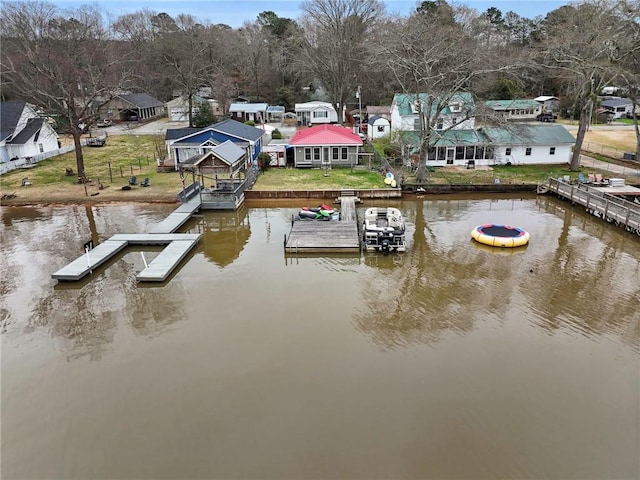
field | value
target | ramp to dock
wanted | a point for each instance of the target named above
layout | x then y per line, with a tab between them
178	217
307	236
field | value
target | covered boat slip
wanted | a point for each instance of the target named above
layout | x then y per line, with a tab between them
309	236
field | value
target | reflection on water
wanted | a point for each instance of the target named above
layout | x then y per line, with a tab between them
446	361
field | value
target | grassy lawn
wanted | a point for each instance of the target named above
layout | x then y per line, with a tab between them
315	179
111	165
123	156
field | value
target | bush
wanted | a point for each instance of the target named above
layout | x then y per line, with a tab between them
276	134
251	123
264	160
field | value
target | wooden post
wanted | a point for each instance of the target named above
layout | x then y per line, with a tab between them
121	174
139	164
110	173
131	167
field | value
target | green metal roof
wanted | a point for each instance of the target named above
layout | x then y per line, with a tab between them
404	101
523	134
518	134
512	104
450	138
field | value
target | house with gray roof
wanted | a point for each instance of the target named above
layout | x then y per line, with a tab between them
126	106
23	133
617	107
184	143
249	112
225	160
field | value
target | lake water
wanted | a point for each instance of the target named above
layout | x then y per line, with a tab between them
448	361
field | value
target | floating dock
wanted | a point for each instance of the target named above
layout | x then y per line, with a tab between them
177	247
307	236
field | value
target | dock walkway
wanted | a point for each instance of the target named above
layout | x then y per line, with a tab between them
326	236
178	217
598	202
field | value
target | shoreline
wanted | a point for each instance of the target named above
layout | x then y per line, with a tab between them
256	195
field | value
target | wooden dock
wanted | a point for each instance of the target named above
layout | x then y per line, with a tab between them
178	246
601	203
307	236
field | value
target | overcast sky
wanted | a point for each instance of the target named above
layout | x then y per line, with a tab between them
235	12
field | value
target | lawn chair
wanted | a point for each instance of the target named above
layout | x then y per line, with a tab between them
145	182
133	181
591	178
582	179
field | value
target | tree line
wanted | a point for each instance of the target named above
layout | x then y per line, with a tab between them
70	62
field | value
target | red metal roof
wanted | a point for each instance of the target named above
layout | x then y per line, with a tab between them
325	135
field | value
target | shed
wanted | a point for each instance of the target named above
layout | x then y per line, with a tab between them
378	127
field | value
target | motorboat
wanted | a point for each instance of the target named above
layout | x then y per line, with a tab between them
383	230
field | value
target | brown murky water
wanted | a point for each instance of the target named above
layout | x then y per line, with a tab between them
448	361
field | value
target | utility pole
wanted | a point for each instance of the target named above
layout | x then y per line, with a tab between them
359	97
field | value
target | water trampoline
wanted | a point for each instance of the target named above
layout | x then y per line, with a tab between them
500	235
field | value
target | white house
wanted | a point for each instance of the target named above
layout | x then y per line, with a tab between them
531	144
315	113
520	144
23	133
178	108
515	110
549	103
455	111
378	127
618	107
249	112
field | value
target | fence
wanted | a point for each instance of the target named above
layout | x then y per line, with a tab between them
9	166
588	147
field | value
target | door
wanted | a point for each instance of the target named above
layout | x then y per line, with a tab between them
451	154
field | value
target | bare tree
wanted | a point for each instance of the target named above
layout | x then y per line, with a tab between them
433	59
64	62
334	49
581	46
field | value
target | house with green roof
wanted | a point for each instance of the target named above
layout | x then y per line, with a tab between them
442	112
516	110
520	144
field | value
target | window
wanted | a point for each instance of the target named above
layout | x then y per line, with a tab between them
439	124
316	153
345	153
441	153
459	153
479	153
41	148
469	153
307	154
416	124
552	151
335	153
507	151
381	128
320	114
527	152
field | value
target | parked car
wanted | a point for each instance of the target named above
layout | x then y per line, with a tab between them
547	117
104	122
132	117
